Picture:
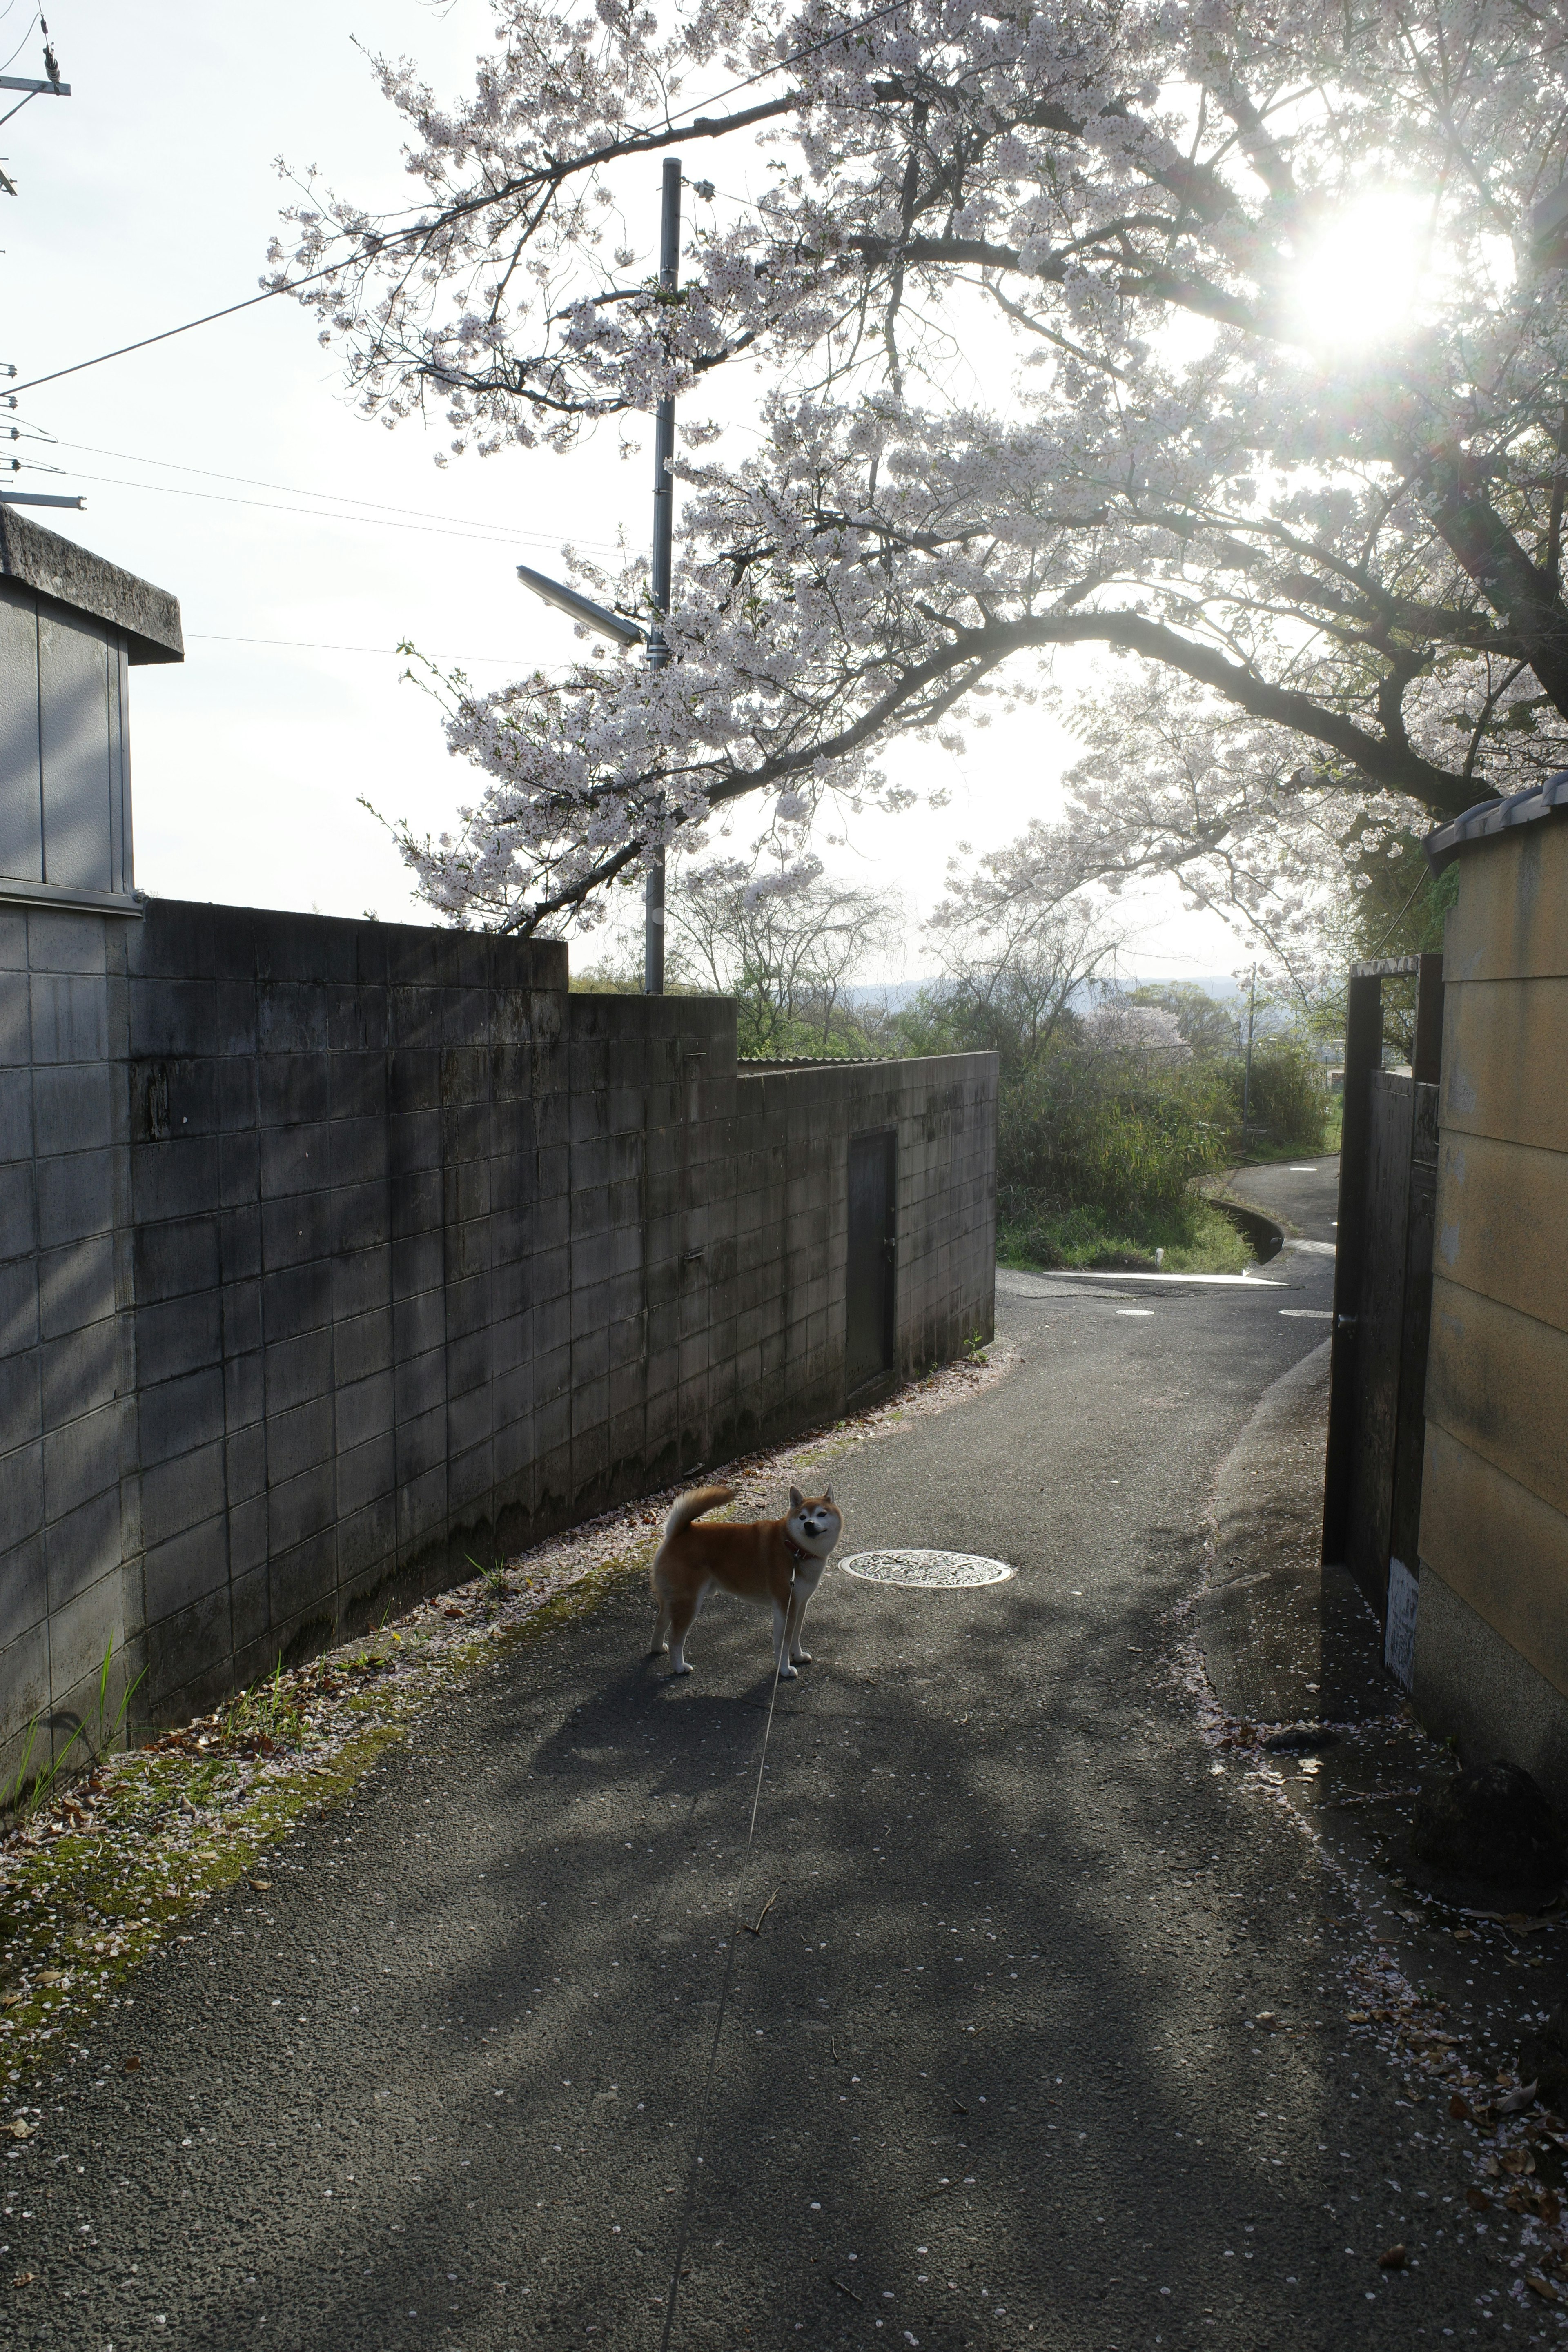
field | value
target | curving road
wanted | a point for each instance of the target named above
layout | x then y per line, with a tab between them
992	2073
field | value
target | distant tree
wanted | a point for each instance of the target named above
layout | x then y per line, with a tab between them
786	941
1019	938
1140	1037
1209	1027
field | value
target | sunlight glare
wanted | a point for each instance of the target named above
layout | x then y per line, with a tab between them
1358	278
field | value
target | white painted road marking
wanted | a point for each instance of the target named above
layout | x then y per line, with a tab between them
1172	1281
1309	1314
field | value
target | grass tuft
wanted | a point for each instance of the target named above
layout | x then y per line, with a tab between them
1196	1236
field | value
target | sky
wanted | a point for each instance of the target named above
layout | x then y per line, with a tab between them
303	541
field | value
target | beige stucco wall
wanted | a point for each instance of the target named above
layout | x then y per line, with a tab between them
1491	1661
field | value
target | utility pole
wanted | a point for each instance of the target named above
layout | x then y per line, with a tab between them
663	549
1246	1080
53	88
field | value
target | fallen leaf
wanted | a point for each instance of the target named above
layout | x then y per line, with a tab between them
1549	2205
1477	2200
260	1886
23	2278
1461	2110
1543	2287
12	2000
1517	2159
52	1976
1516	2102
1394	2260
18	2130
133	2065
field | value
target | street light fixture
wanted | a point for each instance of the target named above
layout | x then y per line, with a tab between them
581	608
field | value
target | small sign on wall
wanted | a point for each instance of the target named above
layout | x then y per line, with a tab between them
1399	1637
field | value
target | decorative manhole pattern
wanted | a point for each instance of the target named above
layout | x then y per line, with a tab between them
934	1570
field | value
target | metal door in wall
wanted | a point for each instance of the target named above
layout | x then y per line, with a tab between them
869	1273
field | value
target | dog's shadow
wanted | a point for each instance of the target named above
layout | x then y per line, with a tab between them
645	1698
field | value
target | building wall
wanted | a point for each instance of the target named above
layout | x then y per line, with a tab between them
1493	1626
334	1256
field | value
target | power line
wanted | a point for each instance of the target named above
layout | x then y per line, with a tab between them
19	47
341	498
499	538
311	646
422	228
208	319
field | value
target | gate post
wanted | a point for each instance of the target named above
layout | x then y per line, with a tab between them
1364	1054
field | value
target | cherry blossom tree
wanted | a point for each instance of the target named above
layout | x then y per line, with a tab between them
1326	522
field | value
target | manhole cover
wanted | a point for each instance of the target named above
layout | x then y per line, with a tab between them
935	1569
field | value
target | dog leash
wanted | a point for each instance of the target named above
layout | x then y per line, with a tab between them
699	2145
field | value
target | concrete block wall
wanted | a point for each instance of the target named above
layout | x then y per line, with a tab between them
68	1411
334	1256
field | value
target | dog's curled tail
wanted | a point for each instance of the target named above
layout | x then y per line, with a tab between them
692	1507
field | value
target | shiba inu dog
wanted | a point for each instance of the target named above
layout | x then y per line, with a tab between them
775	1562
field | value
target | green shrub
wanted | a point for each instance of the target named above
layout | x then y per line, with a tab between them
1289	1096
1077	1129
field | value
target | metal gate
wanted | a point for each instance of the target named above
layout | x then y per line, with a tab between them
1382	1301
869	1336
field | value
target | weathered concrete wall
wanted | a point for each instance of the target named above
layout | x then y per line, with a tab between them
1491	1654
334	1253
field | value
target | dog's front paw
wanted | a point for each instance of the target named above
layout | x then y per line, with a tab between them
802	1657
787	1673
675	1672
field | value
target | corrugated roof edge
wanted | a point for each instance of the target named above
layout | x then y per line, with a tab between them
75	577
1494	816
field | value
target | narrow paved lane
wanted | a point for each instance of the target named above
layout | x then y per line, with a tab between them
993	2073
1302	1194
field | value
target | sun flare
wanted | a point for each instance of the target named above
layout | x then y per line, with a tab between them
1361	274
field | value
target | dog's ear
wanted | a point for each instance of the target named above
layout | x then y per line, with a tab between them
828	1493
795	1498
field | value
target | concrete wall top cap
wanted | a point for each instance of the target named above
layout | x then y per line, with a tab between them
1489	818
73	576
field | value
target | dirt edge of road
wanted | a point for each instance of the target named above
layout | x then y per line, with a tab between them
1284	1668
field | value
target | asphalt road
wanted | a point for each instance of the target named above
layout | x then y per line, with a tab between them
1301	1195
992	2072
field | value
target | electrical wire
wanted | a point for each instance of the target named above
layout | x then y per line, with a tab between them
311	646
699	2146
19	47
293	490
499	538
1388	934
422	228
